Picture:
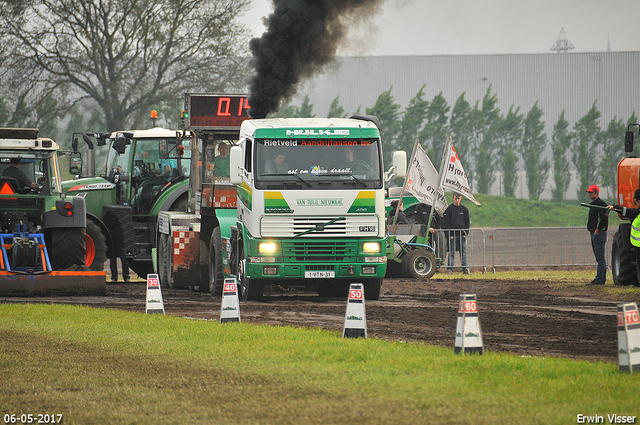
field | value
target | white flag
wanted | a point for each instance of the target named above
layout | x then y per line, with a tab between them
453	177
422	180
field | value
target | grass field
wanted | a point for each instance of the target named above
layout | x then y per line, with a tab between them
97	366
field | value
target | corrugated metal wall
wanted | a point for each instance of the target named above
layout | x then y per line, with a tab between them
569	81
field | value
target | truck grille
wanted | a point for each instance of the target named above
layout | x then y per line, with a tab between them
289	226
318	251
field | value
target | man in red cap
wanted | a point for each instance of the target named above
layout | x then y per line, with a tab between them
597	225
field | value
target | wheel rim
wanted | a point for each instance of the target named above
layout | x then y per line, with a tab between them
422	266
91	251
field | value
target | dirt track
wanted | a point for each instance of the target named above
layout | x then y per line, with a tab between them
525	317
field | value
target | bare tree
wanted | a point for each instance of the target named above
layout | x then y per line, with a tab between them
126	55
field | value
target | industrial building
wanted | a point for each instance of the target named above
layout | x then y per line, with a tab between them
557	81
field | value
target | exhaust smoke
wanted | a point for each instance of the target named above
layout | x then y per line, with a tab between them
302	36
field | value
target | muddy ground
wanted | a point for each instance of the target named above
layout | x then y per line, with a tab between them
531	317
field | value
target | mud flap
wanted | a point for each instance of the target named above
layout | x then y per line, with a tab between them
186	259
53	283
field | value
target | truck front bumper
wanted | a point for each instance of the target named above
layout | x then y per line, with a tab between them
257	268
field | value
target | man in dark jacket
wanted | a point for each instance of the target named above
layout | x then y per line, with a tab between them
14	171
597	225
456	218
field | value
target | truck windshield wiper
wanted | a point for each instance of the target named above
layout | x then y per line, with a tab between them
347	174
287	174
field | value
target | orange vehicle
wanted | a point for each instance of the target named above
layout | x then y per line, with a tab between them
623	257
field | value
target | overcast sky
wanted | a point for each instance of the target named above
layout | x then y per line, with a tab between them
469	27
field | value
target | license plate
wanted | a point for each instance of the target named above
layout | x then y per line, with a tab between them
320	275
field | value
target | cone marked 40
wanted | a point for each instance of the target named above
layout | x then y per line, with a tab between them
230	308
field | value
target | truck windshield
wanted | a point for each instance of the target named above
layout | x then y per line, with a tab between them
317	164
149	158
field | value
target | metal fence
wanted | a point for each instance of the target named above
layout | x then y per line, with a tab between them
519	247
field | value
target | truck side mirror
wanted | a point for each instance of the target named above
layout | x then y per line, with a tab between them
628	141
75	164
235	165
400	163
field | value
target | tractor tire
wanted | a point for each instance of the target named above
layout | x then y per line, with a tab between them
250	289
419	263
67	248
96	247
623	267
216	280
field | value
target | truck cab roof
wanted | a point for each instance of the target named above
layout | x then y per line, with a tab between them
250	127
151	133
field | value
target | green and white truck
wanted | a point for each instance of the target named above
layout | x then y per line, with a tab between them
303	205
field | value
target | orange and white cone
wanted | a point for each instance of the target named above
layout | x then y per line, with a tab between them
355	318
155	305
230	308
628	338
468	335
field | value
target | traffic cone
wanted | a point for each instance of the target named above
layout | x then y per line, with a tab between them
154	295
230	309
355	319
468	335
628	338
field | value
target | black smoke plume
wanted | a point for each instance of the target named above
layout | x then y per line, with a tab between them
302	36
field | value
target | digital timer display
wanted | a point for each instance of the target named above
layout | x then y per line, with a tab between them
216	111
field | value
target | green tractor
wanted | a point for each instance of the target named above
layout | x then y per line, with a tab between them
42	235
146	171
412	251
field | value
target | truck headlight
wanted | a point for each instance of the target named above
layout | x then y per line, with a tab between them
371	247
267	247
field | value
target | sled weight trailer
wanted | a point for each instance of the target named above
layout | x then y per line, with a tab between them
43	231
623	253
301	203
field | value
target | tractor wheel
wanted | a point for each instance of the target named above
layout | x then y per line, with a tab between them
419	263
215	263
623	266
67	248
96	247
250	289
